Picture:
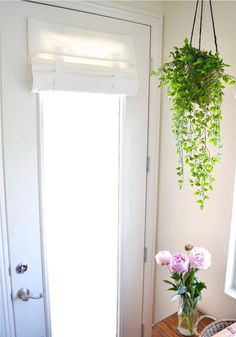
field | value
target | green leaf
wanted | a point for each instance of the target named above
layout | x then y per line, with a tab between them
200	201
172	288
171	283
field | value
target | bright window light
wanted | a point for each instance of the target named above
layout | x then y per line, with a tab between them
230	282
80	193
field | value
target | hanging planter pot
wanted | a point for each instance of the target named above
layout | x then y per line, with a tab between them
196	79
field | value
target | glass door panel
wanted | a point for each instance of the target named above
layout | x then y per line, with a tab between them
80	211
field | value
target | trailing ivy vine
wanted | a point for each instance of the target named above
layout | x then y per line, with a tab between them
196	80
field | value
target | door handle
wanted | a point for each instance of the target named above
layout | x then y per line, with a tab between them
24	294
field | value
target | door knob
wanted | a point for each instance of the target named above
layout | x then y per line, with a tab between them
24	294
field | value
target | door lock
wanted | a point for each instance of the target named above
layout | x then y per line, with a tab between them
21	268
24	294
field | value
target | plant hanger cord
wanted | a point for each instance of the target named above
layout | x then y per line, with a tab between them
200	29
213	26
194	21
200	26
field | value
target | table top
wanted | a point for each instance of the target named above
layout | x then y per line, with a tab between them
168	326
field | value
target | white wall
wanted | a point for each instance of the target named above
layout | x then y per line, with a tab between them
150	6
179	219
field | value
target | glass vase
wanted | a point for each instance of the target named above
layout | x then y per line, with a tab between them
187	316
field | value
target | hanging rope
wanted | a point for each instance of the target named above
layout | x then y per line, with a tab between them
194	20
213	26
200	25
200	29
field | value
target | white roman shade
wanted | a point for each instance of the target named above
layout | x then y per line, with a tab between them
69	58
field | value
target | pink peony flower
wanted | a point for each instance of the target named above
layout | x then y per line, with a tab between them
179	263
199	258
163	258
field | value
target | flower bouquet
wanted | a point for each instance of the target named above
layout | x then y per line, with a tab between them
183	281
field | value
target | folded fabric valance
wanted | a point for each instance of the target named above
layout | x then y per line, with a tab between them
75	59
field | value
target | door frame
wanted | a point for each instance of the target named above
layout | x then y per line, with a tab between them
7	327
155	22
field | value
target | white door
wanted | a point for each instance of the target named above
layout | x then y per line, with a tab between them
23	136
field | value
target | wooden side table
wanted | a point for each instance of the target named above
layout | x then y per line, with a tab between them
168	326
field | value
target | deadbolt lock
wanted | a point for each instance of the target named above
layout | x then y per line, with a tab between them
21	268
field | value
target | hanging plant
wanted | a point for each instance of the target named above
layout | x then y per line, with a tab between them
196	79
